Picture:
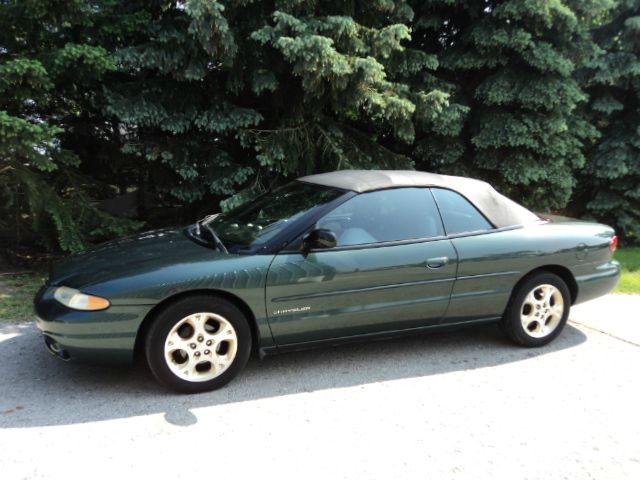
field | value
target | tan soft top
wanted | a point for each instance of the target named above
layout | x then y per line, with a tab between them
500	210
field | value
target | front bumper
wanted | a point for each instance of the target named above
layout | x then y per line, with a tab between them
105	337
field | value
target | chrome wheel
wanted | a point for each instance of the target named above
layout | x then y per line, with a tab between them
542	311
200	347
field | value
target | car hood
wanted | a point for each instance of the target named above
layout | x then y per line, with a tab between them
144	252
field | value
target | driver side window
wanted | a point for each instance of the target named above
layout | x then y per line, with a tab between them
384	216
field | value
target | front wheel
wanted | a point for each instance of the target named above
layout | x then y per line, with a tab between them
198	343
538	310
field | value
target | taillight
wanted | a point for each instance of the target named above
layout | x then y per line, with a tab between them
613	243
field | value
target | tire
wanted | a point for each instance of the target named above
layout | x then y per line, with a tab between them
198	343
538	310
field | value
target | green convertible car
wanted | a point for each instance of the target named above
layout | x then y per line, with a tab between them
326	259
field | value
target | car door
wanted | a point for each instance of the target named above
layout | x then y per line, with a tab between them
488	267
392	269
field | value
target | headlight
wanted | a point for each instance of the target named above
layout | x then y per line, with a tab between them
72	298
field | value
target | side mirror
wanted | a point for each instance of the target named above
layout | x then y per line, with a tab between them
319	238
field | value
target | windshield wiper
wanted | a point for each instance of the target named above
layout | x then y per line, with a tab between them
205	223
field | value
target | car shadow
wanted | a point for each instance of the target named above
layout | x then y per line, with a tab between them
39	390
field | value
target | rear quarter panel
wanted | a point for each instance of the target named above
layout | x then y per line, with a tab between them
490	265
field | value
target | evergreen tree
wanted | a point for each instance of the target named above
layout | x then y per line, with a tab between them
508	66
202	101
51	68
610	184
219	96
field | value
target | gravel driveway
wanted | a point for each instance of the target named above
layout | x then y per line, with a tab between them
464	404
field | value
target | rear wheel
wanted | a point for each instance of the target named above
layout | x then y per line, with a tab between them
198	343
538	310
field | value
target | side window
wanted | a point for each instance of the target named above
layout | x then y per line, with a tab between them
458	214
383	216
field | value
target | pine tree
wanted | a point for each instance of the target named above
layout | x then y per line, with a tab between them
610	183
50	74
223	96
508	66
202	101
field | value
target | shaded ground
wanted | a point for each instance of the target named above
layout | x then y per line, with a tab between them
463	404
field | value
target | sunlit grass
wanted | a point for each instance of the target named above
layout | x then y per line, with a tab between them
630	259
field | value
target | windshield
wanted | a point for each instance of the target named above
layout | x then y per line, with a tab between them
259	220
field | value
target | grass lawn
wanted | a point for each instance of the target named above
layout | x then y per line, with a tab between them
17	291
16	296
630	260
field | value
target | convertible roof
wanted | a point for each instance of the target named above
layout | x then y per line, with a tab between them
500	210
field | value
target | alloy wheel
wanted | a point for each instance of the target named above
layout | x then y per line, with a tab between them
542	310
201	347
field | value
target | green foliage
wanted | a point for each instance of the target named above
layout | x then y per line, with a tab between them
47	80
610	185
193	104
513	117
309	92
32	143
212	29
629	258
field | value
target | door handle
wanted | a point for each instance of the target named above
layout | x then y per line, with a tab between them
437	262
